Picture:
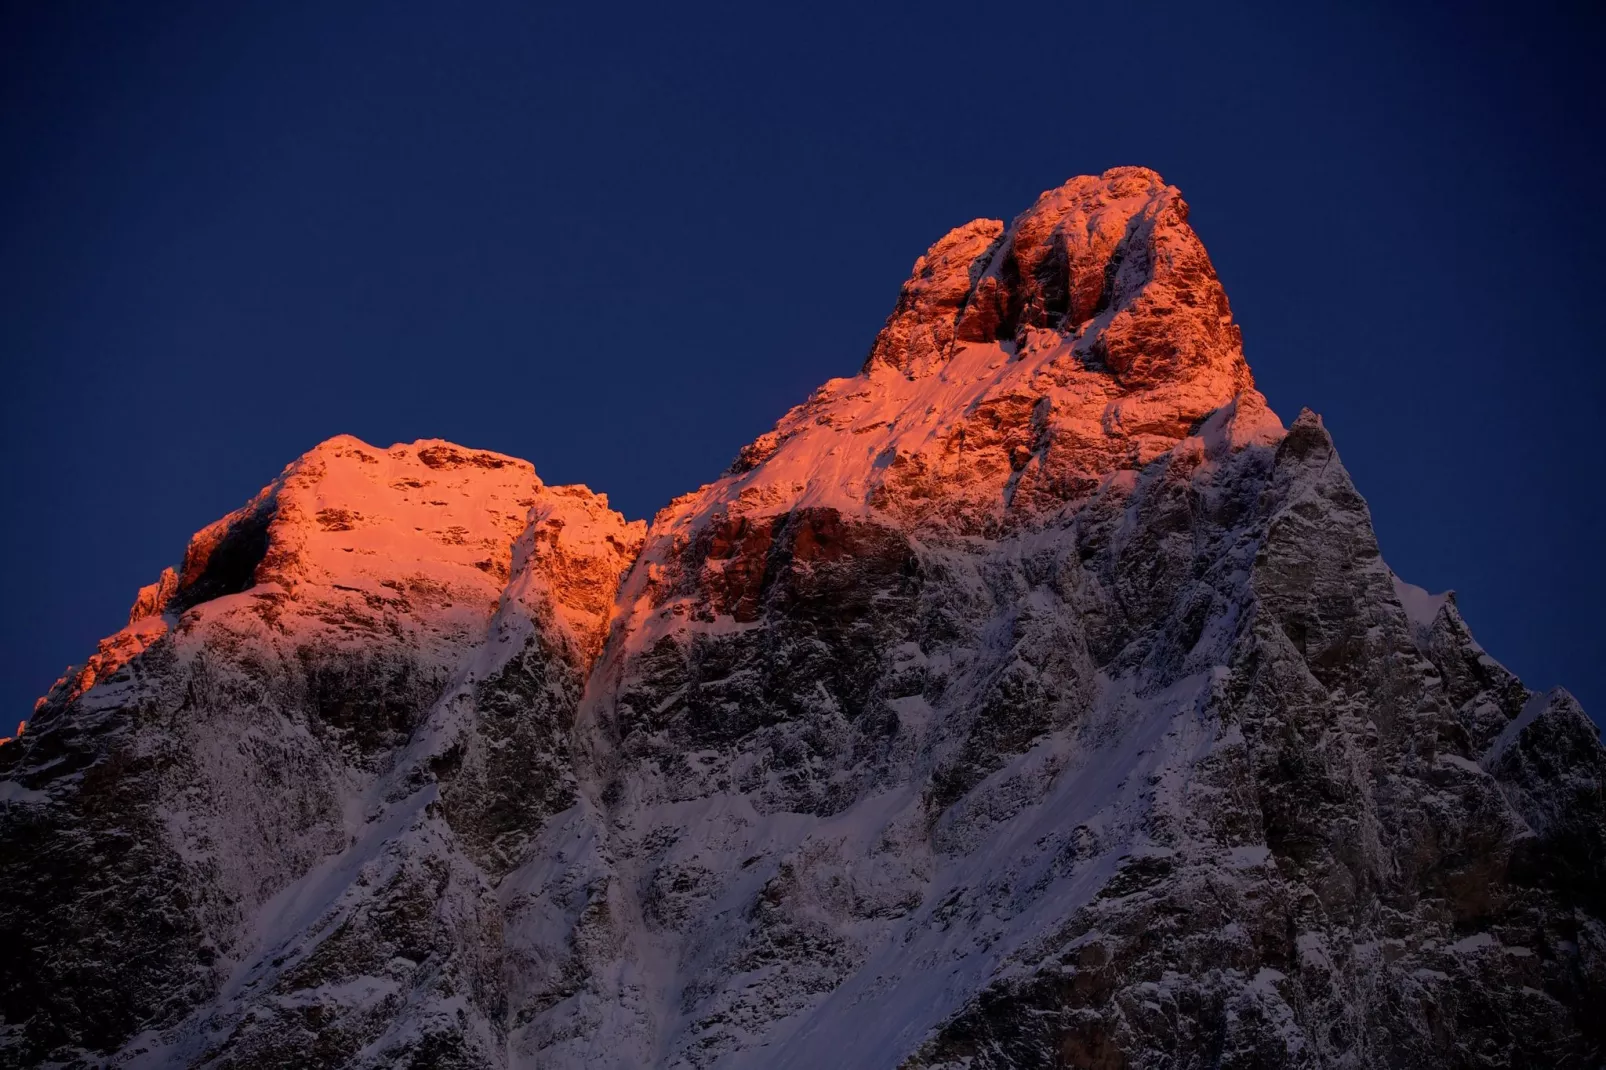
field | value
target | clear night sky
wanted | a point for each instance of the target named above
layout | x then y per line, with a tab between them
619	242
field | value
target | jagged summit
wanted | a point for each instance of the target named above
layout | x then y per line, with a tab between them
1088	256
1031	698
1021	368
344	502
353	542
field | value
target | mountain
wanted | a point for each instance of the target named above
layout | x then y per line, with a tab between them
1032	698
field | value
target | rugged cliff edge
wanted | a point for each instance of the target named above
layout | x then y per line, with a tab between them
1033	698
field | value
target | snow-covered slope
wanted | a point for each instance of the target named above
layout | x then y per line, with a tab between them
1032	698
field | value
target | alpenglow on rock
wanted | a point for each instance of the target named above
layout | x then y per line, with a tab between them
1033	698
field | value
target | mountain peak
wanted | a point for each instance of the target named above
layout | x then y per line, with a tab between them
1022	367
349	542
1109	258
432	452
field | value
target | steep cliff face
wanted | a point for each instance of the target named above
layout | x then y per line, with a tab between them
1032	698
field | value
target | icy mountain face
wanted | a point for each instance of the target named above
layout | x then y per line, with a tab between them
1032	698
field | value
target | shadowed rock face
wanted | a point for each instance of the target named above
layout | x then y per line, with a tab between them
1032	698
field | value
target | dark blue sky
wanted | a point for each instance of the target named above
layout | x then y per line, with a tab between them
620	242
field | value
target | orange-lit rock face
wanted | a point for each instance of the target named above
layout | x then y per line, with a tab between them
1022	367
1110	258
353	544
417	538
921	328
350	543
569	561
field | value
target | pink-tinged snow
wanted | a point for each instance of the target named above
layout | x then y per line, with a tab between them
423	531
1420	606
570	558
836	450
415	540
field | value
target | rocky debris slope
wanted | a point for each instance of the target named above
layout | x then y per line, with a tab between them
1032	698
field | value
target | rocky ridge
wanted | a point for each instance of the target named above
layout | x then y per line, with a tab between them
1033	698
